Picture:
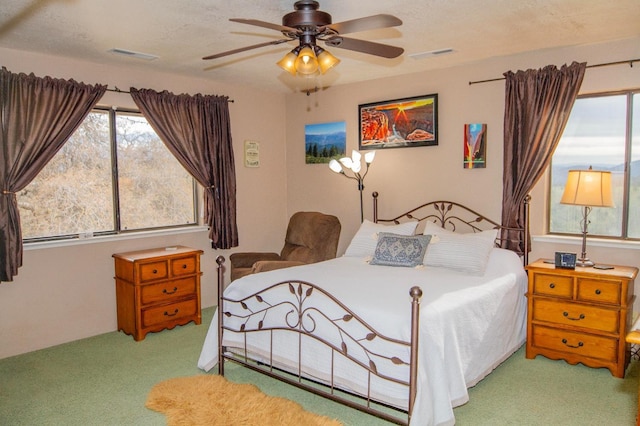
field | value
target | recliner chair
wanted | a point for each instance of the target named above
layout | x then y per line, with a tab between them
311	237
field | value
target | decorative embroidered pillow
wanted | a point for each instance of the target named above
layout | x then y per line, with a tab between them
461	252
364	242
400	250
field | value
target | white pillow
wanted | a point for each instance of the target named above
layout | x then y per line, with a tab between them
364	242
432	228
461	252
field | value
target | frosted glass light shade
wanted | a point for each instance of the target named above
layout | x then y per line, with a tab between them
346	161
335	166
369	156
326	60
288	62
588	188
307	63
355	156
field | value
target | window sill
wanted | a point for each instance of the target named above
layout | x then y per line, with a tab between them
591	241
109	238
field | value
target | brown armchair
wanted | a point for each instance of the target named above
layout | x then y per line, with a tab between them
311	237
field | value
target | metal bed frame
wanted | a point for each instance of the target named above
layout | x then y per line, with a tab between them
301	317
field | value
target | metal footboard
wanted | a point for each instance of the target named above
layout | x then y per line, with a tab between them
293	307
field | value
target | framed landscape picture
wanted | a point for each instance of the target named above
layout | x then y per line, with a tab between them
325	141
399	123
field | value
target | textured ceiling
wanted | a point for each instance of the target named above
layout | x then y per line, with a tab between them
180	33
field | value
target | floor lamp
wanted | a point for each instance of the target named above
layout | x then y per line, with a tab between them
587	188
354	165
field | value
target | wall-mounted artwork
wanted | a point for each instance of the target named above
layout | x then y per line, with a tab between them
475	146
251	154
399	123
325	141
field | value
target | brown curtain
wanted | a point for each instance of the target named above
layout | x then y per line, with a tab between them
537	107
197	130
37	116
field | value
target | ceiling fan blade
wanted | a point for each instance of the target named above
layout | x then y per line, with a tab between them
264	24
242	49
364	46
366	23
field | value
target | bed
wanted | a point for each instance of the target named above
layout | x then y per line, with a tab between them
388	329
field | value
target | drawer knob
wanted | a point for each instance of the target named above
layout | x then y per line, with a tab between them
580	344
566	315
598	291
170	292
155	271
167	314
184	266
552	285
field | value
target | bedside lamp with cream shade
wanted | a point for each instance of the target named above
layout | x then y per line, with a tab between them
587	188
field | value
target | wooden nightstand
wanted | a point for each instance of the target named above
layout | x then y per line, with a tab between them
580	315
157	289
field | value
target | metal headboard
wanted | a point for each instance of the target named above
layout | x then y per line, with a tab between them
459	218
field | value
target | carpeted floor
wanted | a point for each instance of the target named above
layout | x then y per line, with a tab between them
105	380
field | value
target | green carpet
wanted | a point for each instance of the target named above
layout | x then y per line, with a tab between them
104	380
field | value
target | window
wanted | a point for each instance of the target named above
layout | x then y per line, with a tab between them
106	182
603	131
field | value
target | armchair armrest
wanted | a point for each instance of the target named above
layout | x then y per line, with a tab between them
270	265
246	260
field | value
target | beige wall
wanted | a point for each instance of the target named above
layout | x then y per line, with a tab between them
67	293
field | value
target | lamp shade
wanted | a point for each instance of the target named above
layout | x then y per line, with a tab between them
369	156
288	62
588	188
326	60
307	63
335	166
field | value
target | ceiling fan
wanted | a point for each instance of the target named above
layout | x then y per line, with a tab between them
309	25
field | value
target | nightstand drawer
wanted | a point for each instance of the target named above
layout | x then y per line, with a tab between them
553	285
599	291
153	271
183	266
170	312
169	290
576	315
597	347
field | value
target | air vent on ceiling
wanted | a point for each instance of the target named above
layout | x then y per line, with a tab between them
145	56
430	53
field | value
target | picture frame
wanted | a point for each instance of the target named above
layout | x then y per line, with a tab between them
325	141
475	146
251	154
399	123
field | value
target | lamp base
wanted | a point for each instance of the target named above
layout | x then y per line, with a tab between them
584	262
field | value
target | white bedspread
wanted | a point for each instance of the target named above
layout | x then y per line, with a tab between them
468	324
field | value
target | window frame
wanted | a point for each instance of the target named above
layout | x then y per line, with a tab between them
112	112
624	235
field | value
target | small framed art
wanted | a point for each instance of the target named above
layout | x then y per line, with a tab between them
475	146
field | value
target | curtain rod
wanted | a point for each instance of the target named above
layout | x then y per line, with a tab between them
116	90
629	61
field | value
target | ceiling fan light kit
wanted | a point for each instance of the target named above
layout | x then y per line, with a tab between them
308	25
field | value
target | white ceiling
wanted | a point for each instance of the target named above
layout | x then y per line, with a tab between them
180	33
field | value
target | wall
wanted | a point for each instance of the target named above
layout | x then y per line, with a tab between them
67	293
405	176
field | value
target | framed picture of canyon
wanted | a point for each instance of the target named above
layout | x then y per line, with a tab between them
399	123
